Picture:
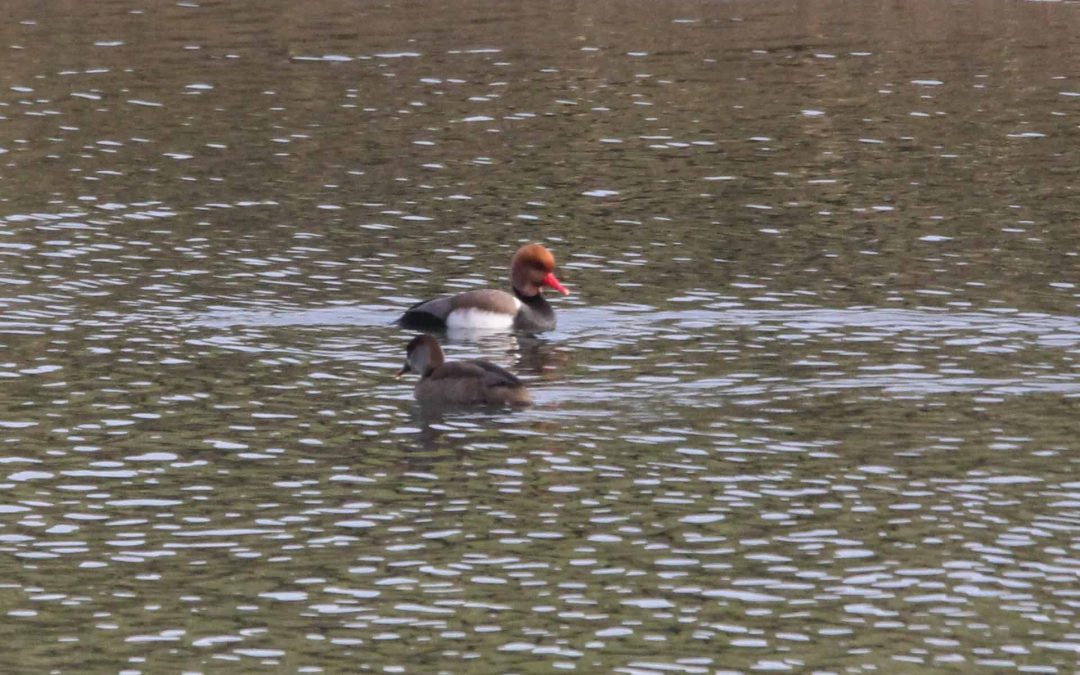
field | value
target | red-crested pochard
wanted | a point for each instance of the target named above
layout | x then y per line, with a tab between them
532	268
460	383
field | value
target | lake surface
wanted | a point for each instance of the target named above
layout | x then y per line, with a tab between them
812	405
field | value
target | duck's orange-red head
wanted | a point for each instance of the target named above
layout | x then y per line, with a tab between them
533	266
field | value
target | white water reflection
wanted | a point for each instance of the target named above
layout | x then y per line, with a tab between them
637	320
829	340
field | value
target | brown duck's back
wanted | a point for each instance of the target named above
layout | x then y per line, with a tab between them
472	383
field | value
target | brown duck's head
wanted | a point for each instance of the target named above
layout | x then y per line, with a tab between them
422	356
532	268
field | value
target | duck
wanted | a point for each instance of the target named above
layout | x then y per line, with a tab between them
460	383
526	309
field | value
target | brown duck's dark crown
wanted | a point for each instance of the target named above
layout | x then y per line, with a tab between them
415	343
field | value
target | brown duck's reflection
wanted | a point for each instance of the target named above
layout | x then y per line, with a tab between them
442	431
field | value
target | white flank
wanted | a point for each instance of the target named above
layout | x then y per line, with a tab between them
478	319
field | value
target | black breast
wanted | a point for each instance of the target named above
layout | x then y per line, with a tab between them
535	314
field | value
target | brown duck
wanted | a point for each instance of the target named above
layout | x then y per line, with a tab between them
460	383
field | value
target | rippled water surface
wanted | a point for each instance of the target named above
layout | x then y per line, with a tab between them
812	405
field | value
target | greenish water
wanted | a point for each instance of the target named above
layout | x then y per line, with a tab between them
811	405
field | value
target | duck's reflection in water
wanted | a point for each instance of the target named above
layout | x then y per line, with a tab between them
445	431
542	358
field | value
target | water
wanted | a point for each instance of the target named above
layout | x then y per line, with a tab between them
811	405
